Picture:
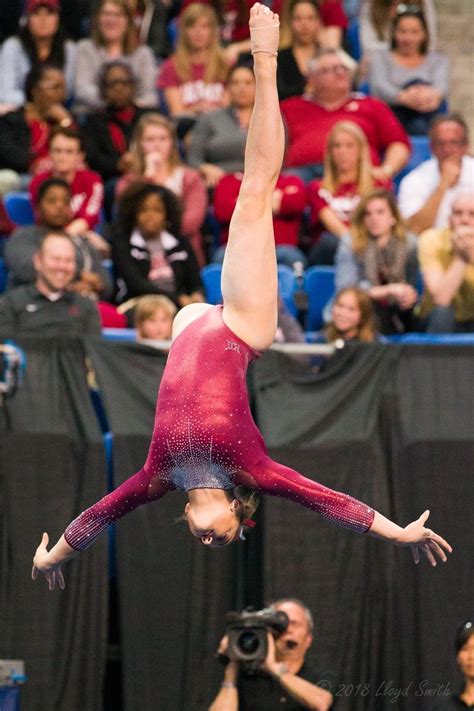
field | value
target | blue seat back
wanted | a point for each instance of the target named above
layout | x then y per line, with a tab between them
211	278
3	276
319	286
420	151
19	208
353	39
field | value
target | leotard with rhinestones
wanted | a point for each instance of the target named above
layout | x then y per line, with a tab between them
204	436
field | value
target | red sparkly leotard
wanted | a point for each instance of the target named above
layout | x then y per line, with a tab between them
205	437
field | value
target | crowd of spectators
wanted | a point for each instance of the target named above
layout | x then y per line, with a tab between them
126	122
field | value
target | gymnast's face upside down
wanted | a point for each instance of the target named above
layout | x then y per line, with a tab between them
215	523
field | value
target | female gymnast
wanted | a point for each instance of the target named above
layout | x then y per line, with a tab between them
205	441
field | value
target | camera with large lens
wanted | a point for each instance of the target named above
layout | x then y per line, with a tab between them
247	634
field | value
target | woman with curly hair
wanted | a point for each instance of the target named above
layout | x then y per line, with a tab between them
40	40
154	156
205	441
148	252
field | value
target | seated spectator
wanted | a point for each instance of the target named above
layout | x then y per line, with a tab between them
304	24
112	38
156	159
288	203
218	138
108	131
426	193
40	40
149	254
233	24
376	18
309	120
347	177
153	317
193	78
24	133
379	256
464	647
150	21
409	78
67	157
447	265
353	317
49	307
53	214
332	15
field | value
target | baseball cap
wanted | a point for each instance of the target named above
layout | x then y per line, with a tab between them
33	5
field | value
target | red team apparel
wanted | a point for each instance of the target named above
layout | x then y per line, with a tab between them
308	125
87	197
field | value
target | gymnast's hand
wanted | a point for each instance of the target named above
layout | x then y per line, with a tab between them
43	563
425	540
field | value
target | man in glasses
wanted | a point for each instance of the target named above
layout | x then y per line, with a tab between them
310	118
427	193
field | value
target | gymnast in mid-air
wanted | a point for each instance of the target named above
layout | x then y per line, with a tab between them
205	441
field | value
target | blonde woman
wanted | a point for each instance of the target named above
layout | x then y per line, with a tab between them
155	156
379	255
347	177
193	79
112	37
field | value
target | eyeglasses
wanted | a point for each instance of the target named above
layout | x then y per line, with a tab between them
112	83
335	69
404	8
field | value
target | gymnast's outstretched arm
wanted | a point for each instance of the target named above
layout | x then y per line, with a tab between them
278	480
139	489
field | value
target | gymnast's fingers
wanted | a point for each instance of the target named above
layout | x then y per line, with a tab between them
416	554
441	541
34	572
427	551
60	579
438	550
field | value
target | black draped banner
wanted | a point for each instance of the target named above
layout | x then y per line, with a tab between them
391	425
52	466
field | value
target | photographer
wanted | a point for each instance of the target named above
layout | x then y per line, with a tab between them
283	679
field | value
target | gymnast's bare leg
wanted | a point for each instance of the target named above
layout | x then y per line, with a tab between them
249	272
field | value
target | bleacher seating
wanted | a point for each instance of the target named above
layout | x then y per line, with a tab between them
19	208
319	286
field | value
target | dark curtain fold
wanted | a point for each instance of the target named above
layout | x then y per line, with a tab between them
394	428
52	467
173	593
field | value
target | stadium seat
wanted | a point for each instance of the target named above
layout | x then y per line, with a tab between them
211	278
319	286
3	276
353	39
420	151
19	208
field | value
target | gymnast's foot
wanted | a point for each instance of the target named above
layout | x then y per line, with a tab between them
264	30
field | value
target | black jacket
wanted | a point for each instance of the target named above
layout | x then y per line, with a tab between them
15	139
101	153
132	263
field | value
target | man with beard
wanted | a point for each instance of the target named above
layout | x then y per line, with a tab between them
285	679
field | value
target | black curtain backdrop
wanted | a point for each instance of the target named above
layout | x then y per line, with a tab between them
390	425
173	594
51	467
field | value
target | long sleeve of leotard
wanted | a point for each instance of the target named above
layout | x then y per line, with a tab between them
141	488
278	480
